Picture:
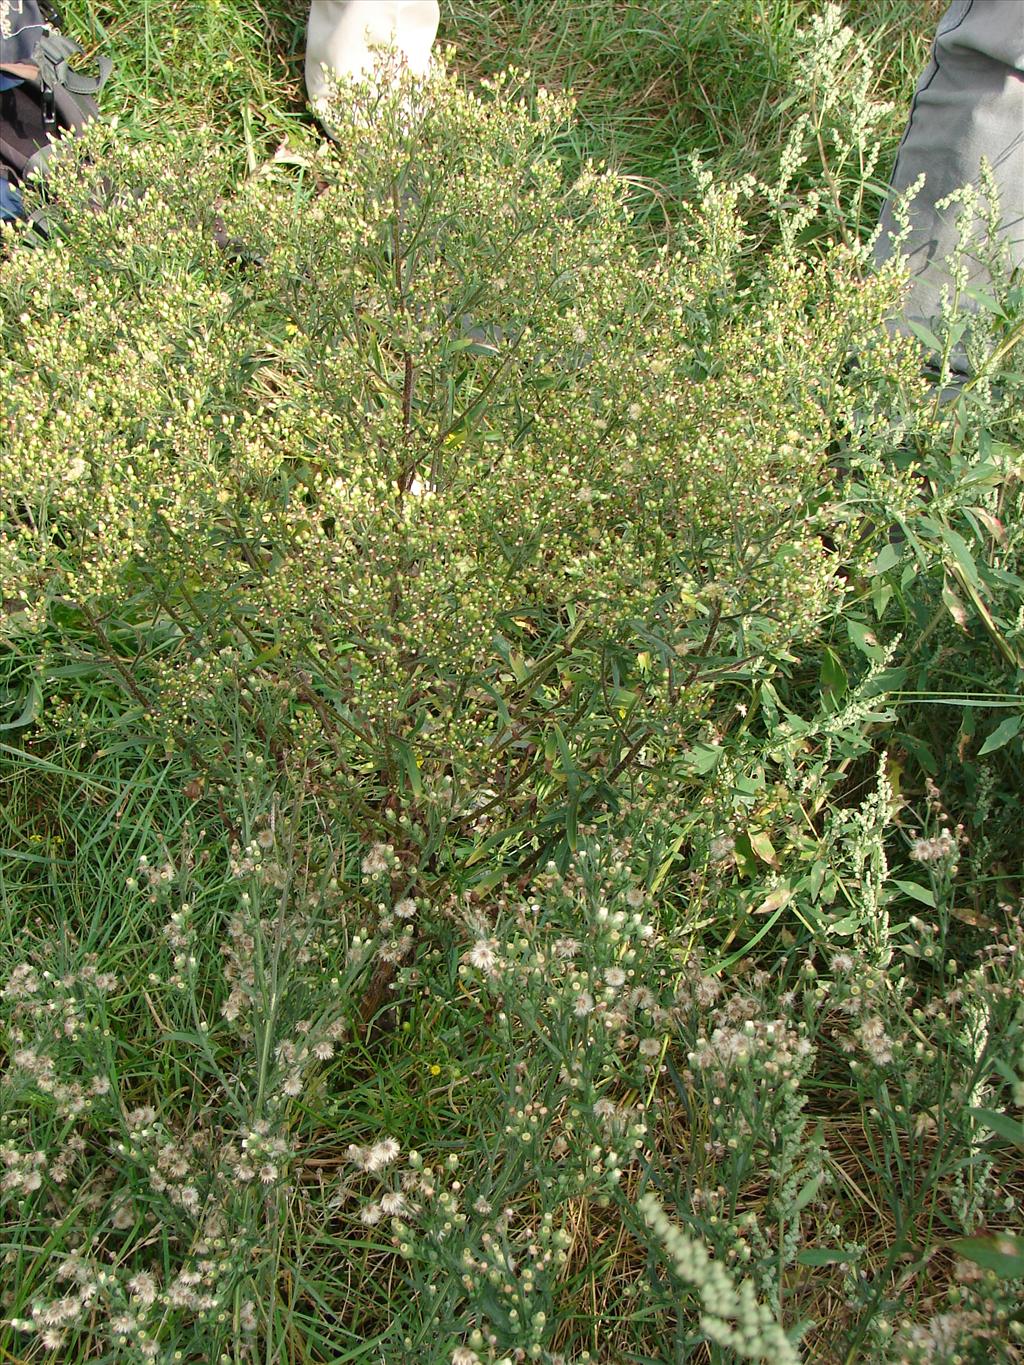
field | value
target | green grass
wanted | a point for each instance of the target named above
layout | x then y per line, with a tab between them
656	84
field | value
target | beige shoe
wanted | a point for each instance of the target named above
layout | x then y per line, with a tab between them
341	36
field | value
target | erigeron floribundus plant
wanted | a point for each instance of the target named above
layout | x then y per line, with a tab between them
165	1188
218	459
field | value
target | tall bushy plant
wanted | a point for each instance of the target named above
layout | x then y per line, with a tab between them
428	456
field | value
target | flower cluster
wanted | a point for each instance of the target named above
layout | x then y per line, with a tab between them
731	1315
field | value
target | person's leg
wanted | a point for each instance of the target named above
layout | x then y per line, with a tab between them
969	105
341	33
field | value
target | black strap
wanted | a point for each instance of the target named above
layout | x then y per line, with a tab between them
52	53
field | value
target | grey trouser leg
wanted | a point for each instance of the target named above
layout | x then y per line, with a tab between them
969	105
341	34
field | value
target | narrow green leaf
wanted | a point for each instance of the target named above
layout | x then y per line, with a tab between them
751	943
1002	734
925	335
410	767
30	709
572	786
761	847
1002	1124
815	878
862	637
954	605
808	1192
987	301
832	676
849	924
571	813
962	554
1003	1254
825	1256
916	892
887	558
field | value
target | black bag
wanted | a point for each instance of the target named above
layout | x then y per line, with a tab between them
41	96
